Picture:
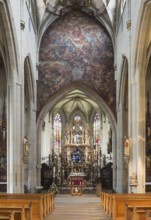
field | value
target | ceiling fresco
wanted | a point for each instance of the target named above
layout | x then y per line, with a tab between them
76	48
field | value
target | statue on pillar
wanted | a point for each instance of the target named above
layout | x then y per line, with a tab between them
126	146
26	147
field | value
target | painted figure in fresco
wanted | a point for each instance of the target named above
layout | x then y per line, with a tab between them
26	147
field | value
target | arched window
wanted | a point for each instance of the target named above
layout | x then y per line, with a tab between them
96	131
57	133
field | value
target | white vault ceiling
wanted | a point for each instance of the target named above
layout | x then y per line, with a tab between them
76	100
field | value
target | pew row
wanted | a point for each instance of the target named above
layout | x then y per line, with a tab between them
9	215
19	212
114	204
42	204
137	213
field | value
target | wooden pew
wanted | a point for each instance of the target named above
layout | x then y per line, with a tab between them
114	203
103	199
9	215
137	213
5	217
36	206
135	200
19	212
148	216
106	201
47	200
43	204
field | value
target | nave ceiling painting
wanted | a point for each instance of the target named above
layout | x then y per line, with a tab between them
76	48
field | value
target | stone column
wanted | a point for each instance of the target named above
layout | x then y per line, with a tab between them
32	171
38	166
18	147
120	147
14	157
137	164
114	146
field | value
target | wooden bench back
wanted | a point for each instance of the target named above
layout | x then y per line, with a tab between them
7	215
47	200
37	213
26	210
114	204
137	212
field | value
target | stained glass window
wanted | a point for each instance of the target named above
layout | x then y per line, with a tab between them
57	133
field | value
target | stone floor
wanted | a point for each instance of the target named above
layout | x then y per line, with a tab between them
84	207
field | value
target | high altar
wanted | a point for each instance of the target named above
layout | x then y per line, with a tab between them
75	163
77	182
78	155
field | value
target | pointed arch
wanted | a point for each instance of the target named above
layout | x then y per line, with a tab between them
10	44
69	88
59	96
143	41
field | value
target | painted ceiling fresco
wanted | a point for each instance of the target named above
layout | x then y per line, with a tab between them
76	48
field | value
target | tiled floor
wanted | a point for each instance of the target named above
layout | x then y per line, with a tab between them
84	207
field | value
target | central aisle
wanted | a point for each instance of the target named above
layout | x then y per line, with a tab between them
84	207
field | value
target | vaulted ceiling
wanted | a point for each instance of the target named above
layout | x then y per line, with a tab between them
76	44
102	10
77	101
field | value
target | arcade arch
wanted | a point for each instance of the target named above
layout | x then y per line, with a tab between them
61	101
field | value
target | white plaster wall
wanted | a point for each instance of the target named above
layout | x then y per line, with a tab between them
25	40
122	41
28	43
125	39
126	44
15	8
